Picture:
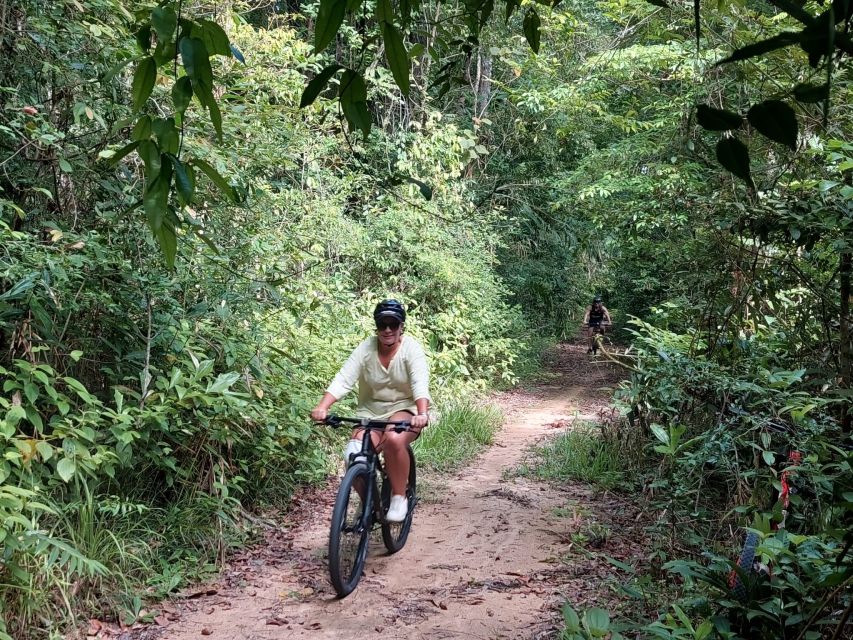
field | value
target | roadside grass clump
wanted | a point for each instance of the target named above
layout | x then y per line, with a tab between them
580	455
463	429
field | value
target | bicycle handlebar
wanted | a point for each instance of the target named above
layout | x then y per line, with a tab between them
369	423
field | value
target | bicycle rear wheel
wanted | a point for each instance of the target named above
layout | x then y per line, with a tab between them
394	534
350	530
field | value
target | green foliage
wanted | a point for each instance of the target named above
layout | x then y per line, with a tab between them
461	431
147	404
492	191
581	453
595	623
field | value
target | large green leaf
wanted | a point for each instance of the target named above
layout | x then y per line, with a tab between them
317	84
353	97
150	154
597	622
570	619
810	93
713	119
776	120
384	12
196	60
734	156
66	468
215	177
395	53
143	82
215	117
358	116
779	41
223	382
142	129
405	12
531	29
116	156
155	198
182	93
184	181
425	189
167	238
143	38
165	21
214	37
167	134
329	19
352	88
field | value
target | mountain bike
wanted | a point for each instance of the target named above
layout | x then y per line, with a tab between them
361	504
597	331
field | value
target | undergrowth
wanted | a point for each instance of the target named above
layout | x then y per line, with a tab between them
461	432
580	454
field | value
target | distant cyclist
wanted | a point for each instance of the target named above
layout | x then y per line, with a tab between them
596	319
393	384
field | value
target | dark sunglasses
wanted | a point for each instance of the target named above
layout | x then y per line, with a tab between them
387	324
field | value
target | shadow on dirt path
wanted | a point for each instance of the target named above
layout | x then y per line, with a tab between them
491	555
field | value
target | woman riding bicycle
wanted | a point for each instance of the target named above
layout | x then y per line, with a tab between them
596	318
393	384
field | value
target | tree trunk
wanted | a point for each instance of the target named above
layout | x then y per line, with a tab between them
483	88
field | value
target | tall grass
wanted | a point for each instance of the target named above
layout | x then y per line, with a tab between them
580	454
461	432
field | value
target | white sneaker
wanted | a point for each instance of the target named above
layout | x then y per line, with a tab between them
353	447
398	509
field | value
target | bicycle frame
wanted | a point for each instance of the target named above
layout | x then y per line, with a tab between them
362	478
371	458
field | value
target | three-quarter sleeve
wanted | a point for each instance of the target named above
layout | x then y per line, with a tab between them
347	377
418	371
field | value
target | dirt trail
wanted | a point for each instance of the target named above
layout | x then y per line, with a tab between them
489	556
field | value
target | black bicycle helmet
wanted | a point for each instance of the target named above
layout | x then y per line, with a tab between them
596	300
389	309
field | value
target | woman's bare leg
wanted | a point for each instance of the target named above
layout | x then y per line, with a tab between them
396	456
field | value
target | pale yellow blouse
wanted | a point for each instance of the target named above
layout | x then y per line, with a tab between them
382	392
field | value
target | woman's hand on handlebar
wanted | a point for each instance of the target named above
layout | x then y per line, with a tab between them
418	422
319	414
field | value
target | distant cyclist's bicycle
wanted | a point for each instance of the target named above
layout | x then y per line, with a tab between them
597	331
362	502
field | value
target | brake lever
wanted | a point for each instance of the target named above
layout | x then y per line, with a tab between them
333	421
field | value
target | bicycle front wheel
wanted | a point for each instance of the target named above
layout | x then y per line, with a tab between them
350	530
394	534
